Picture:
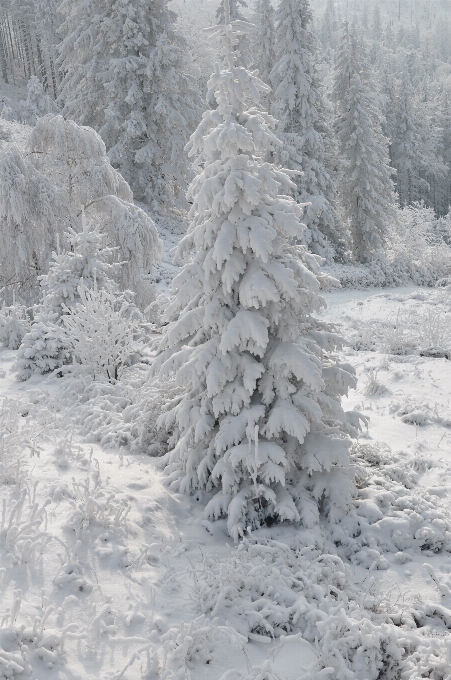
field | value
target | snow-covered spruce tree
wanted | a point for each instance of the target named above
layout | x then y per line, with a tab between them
128	76
297	106
45	348
366	188
259	420
242	45
263	39
74	159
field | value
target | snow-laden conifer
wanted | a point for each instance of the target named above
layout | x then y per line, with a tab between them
366	187
259	422
127	74
14	324
297	106
87	262
263	48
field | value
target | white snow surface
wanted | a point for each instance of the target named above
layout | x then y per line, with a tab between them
105	573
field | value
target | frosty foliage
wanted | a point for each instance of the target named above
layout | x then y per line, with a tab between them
127	74
45	347
298	107
14	324
366	187
100	333
267	589
32	213
37	104
263	48
73	160
417	251
259	420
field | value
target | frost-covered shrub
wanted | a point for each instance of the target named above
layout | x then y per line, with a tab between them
189	644
37	104
391	514
100	333
259	421
265	589
14	324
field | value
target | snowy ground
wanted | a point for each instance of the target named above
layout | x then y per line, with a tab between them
101	566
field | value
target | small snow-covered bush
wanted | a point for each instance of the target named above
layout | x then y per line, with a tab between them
265	589
14	324
100	333
188	644
391	513
43	348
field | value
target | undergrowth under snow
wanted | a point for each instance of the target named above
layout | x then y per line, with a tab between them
105	573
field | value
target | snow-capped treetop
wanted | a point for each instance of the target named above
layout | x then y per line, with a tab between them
242	44
259	419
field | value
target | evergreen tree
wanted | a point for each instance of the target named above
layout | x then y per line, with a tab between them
366	188
88	262
258	420
297	105
329	27
264	40
413	147
127	75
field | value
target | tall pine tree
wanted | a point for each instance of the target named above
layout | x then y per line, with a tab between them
366	188
297	105
263	52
